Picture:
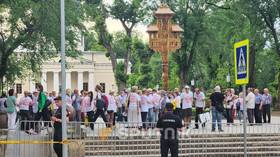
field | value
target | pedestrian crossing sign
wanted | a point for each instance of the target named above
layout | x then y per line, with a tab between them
241	62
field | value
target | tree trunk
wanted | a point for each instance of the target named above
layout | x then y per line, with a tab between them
126	57
182	78
252	74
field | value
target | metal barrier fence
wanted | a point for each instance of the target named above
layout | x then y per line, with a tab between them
132	139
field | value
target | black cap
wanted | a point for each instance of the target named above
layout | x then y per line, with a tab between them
169	106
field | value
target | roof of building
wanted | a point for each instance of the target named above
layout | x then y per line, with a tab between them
152	28
177	28
164	9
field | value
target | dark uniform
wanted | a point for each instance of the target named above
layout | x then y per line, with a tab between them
169	123
57	136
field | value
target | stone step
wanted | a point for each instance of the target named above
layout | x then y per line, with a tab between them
183	145
202	154
188	140
181	150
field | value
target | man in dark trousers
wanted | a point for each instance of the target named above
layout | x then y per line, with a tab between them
57	136
169	123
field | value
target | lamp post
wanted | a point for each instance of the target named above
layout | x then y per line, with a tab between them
164	37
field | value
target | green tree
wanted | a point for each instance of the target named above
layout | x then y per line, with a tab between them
33	26
129	13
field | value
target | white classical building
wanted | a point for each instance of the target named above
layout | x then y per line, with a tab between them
84	72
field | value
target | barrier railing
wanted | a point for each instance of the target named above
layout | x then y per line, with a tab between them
33	138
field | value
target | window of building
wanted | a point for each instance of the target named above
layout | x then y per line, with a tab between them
103	87
85	86
19	88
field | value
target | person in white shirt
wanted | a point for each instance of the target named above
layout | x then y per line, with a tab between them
144	107
24	104
156	103
238	106
199	99
112	108
133	109
250	103
187	101
3	104
151	111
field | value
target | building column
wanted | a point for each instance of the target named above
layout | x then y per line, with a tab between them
31	85
68	80
80	80
44	80
90	81
56	81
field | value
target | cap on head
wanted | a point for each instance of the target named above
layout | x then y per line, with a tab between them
187	87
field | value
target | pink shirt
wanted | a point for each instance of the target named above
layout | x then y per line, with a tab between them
134	99
112	106
86	104
187	100
24	103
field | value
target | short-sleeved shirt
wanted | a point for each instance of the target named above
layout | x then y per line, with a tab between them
217	98
199	100
258	98
11	104
24	103
169	123
187	100
144	103
112	106
156	100
266	99
134	99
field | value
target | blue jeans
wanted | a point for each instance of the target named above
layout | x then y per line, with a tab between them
151	117
216	117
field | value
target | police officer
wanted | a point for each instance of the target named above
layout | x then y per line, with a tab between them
169	123
57	136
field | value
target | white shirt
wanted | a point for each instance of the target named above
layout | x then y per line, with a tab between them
133	100
187	100
112	106
150	101
199	100
24	103
156	100
2	104
250	99
229	101
144	103
87	106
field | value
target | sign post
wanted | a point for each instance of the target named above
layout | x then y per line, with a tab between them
241	66
63	77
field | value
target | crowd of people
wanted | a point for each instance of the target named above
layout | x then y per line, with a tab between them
138	108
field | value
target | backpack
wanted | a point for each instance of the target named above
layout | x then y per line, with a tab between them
102	103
